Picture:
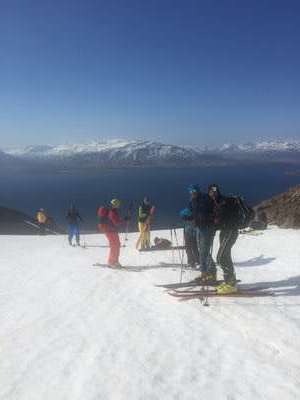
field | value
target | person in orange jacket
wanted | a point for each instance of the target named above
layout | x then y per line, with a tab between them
109	221
42	220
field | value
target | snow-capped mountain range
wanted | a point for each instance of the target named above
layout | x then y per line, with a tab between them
126	153
132	150
263	146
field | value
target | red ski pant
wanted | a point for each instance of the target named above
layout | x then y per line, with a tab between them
114	244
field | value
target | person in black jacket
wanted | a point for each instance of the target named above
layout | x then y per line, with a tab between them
73	217
225	219
201	209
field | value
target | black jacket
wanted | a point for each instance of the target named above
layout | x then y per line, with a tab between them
73	216
144	212
225	213
202	210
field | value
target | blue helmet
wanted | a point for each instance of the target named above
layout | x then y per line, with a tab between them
195	188
185	213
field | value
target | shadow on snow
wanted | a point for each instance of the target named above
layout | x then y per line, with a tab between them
255	262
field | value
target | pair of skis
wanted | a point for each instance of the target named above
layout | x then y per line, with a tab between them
251	232
203	293
38	227
116	268
185	291
108	266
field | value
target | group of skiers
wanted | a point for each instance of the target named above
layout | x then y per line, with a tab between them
205	215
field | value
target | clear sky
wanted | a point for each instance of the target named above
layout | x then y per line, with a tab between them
180	71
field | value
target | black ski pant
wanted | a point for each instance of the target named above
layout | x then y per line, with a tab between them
42	230
212	269
228	238
203	244
191	246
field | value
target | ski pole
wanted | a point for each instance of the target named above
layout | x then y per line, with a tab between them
128	220
204	299
83	241
181	251
171	232
205	288
180	255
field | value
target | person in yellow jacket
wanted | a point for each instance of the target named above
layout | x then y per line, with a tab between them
42	220
145	213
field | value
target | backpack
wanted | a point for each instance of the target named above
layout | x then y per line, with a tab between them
244	213
102	214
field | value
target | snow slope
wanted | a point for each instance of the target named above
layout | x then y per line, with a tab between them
73	331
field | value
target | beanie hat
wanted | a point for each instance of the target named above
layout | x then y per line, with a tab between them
195	188
185	213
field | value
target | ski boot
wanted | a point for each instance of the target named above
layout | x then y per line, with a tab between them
211	277
226	288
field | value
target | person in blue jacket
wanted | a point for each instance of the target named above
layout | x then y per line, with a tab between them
190	239
73	217
201	209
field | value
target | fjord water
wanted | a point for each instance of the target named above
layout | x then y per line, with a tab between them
167	188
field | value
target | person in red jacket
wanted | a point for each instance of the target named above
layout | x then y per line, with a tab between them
109	221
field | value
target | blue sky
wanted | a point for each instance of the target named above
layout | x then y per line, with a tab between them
193	71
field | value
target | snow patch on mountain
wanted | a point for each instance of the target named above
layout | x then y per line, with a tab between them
262	146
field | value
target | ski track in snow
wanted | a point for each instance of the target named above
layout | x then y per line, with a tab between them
70	330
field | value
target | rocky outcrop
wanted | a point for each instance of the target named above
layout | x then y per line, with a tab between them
283	210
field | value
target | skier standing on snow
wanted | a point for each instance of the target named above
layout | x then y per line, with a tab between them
42	220
226	219
145	213
190	239
201	209
109	221
73	217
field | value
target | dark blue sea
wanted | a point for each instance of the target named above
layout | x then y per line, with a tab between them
166	187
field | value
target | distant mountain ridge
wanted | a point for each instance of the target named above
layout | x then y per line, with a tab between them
130	153
117	153
263	146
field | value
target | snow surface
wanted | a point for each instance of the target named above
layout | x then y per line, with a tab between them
73	331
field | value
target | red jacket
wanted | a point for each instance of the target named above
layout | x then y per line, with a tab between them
113	221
